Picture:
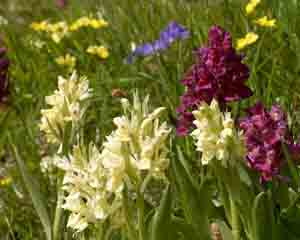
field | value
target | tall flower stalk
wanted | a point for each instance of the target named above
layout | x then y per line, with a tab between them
222	148
60	123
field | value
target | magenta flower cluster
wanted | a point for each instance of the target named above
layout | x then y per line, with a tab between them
4	64
264	134
218	73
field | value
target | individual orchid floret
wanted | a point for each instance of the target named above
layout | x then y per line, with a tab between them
219	73
138	146
264	133
85	184
215	135
68	105
171	33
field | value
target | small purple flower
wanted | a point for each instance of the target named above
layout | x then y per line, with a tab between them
171	33
61	3
218	73
294	148
4	64
264	134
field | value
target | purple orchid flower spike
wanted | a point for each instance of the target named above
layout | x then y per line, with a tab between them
219	73
264	132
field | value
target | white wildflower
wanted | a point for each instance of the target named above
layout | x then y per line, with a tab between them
3	21
137	145
85	183
215	135
67	105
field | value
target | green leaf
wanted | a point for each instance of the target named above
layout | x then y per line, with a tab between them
195	203
34	193
263	218
162	218
184	163
186	230
290	217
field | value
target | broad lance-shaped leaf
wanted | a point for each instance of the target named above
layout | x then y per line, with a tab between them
290	218
263	219
162	218
195	203
184	163
34	193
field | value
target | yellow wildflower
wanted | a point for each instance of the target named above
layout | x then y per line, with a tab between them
58	31
5	181
98	23
40	26
88	22
100	51
81	22
250	7
66	60
265	22
249	39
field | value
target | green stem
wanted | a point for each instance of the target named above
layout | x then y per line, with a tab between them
141	208
235	221
130	227
58	212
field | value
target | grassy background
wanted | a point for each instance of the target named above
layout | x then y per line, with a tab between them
274	61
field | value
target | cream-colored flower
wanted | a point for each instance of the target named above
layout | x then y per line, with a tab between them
215	135
249	39
85	182
100	51
68	104
265	22
58	31
3	21
37	43
139	144
250	7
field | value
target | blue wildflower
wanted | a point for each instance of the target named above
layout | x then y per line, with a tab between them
171	33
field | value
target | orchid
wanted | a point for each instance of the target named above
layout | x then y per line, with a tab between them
68	104
219	73
215	135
